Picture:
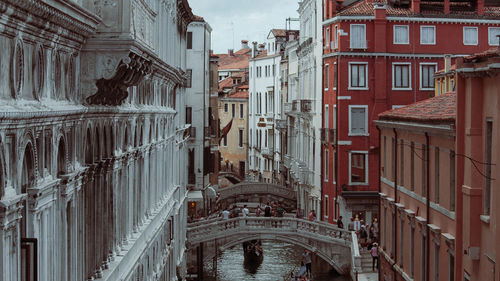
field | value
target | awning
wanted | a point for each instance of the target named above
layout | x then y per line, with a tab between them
195	195
210	192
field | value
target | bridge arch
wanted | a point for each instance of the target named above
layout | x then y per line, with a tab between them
328	242
259	192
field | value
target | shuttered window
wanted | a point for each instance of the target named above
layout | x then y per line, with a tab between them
427	35
358	120
427	76
358	75
401	34
493	33
401	76
358	36
470	35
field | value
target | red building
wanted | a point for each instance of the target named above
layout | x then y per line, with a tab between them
378	56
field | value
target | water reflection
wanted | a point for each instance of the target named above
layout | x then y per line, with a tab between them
279	260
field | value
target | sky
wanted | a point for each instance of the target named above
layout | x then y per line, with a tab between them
249	19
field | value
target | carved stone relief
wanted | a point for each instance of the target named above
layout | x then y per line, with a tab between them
70	77
17	68
38	70
57	74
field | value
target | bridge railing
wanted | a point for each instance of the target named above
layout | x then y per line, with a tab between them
355	256
209	229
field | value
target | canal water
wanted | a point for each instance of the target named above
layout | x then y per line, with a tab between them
279	260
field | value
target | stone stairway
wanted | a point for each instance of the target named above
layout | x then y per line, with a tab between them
366	260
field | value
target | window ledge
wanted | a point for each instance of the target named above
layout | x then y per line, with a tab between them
485	219
358	135
427	89
401	89
357	89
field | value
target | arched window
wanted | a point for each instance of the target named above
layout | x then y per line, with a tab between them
97	143
125	139
88	149
27	181
61	158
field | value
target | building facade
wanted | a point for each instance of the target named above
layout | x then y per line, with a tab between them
92	140
303	108
265	106
233	108
197	114
377	56
418	202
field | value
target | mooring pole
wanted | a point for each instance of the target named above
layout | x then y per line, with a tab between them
199	254
215	260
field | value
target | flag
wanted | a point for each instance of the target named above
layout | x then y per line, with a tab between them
225	130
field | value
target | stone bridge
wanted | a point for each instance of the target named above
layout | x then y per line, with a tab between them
233	177
336	246
259	193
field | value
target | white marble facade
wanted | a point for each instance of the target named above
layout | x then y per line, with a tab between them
92	139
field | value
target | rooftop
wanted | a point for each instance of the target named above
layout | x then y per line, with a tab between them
440	109
427	9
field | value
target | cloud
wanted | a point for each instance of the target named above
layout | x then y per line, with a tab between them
243	19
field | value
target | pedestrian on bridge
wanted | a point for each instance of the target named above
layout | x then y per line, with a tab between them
299	213
267	210
306	256
312	215
245	211
374	253
225	214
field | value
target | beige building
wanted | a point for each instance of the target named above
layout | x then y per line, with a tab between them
234	146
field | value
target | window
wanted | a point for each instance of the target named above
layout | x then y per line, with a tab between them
336	44
358	74
250	140
190	40
436	174
241	111
487	166
470	35
327	76
428	35
327	36
189	74
189	111
436	262
422	257
427	71
451	267
401	79
327	116
393	158
452	180
493	33
226	107
233	110
335	69
327	161
358	172
401	34
412	166
358	36
384	172
412	251
327	206
402	164
224	141
424	170
240	138
274	70
358	120
401	241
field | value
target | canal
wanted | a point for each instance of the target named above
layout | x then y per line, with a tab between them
279	260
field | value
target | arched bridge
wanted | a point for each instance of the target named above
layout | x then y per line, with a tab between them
259	192
233	177
336	246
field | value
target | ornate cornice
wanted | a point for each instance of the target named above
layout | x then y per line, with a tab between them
40	13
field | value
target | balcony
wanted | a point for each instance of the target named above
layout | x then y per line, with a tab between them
328	135
267	152
295	105
306	106
287	107
332	136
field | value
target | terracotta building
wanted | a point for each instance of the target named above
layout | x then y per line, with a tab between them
478	116
417	162
380	55
443	149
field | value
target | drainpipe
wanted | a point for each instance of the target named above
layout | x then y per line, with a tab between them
428	205
205	211
336	152
379	191
395	200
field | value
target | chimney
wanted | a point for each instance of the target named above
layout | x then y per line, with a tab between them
254	49
480	7
262	47
339	4
244	44
230	52
415	6
447	63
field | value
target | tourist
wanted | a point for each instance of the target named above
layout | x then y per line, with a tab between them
236	212
280	212
306	256
312	215
374	253
258	210
363	235
267	210
357	225
299	214
302	271
245	211
340	224
225	214
375	229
